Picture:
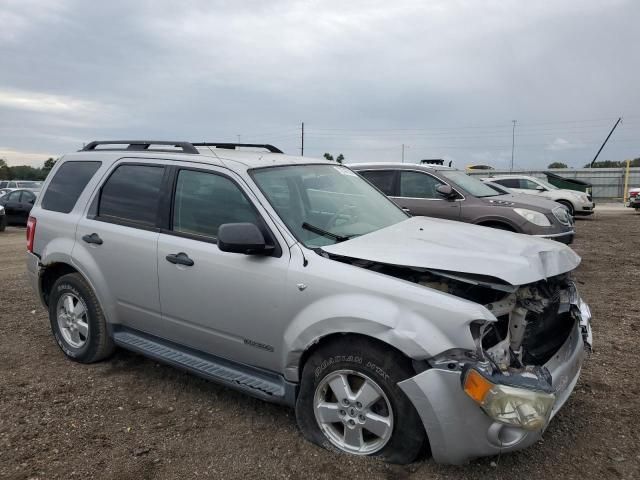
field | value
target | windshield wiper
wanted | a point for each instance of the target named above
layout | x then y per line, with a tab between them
324	233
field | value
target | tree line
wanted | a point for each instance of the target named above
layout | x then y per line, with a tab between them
25	172
601	164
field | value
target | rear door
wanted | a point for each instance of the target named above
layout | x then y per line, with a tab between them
225	304
116	242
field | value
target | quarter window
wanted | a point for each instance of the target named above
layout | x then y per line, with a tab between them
67	185
204	201
131	194
419	185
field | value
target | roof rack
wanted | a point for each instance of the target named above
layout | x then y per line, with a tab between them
187	147
233	146
141	145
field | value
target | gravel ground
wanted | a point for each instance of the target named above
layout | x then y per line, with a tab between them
129	417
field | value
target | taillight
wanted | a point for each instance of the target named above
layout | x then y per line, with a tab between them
31	233
633	194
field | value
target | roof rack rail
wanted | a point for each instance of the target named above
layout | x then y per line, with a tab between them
233	146
141	145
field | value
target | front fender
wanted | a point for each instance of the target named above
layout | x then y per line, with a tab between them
415	330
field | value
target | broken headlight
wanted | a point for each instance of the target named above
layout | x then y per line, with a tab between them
517	406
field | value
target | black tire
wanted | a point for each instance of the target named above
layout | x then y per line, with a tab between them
98	344
3	223
384	366
569	206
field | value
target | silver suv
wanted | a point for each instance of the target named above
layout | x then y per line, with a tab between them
297	282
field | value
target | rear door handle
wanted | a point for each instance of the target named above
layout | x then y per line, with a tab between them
179	259
92	238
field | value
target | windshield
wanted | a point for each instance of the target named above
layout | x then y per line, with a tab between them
546	184
325	204
29	184
471	185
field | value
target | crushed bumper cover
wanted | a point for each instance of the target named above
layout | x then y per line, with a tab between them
460	431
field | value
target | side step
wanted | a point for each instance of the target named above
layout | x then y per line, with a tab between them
251	380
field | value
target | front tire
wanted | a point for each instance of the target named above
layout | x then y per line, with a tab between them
568	205
77	321
349	401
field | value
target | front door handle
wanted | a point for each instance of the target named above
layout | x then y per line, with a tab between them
92	238
179	259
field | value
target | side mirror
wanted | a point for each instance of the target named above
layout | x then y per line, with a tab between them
241	238
540	188
446	191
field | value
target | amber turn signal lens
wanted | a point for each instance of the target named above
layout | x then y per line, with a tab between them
476	386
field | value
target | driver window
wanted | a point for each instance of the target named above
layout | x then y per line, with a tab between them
528	184
28	197
419	185
204	201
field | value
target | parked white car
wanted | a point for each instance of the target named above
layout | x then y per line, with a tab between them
578	203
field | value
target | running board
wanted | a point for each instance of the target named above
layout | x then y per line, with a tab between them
251	380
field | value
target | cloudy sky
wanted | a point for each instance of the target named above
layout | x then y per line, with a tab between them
444	77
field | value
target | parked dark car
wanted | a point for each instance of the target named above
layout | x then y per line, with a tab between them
17	205
438	191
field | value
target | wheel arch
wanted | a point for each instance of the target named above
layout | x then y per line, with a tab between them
329	338
50	273
502	224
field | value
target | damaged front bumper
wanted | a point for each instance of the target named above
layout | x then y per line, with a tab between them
459	430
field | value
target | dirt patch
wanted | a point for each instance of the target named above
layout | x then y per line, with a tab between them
130	417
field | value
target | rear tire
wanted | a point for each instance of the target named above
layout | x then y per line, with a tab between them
77	321
384	425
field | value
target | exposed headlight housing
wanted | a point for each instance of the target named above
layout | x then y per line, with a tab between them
563	215
534	217
519	407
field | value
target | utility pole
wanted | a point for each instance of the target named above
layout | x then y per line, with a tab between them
513	142
302	141
403	153
605	142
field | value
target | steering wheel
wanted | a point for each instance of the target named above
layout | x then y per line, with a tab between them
342	213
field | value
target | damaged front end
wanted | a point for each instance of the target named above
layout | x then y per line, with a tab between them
501	395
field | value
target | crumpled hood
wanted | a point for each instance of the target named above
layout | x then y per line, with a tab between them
460	247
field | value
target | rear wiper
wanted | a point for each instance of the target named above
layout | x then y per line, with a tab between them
324	233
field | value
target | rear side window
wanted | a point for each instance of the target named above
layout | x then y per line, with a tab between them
509	182
4	184
204	201
383	179
131	194
67	185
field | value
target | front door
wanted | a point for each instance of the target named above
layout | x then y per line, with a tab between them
417	193
222	303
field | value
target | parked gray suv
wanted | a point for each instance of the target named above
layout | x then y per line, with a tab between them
444	192
296	281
